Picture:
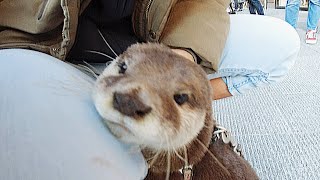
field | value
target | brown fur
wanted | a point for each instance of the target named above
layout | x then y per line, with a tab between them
156	74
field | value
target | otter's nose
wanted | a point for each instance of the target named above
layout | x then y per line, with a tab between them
130	105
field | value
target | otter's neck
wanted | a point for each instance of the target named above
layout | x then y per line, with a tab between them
198	147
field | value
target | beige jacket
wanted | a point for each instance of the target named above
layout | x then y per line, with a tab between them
202	25
50	25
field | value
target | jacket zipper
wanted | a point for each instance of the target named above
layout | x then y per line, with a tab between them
148	8
146	21
43	7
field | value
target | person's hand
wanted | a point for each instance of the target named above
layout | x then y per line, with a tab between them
185	54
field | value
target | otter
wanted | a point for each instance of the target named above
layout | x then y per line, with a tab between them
154	98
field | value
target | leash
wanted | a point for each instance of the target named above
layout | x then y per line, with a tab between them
218	133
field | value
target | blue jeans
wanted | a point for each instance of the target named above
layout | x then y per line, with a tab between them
255	5
292	12
236	4
262	59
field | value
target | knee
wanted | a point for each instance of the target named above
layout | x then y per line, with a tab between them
284	49
287	57
279	72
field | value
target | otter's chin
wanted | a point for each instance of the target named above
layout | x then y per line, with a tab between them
118	130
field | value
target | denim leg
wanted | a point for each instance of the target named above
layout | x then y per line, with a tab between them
241	5
292	12
313	14
258	6
236	4
251	8
245	66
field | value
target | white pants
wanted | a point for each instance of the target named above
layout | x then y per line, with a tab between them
49	129
259	51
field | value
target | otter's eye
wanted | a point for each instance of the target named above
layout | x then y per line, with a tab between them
122	67
181	98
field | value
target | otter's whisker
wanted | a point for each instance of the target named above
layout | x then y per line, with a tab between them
178	155
167	140
100	53
105	41
186	155
86	69
213	156
95	70
168	157
154	158
168	165
156	154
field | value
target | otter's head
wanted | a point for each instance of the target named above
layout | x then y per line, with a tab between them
152	97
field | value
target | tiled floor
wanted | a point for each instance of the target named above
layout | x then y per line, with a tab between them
278	126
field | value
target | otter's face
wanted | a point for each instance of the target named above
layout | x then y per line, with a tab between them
152	97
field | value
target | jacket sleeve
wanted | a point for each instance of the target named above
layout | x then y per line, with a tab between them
48	26
202	25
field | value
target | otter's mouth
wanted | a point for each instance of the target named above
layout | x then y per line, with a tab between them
118	129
